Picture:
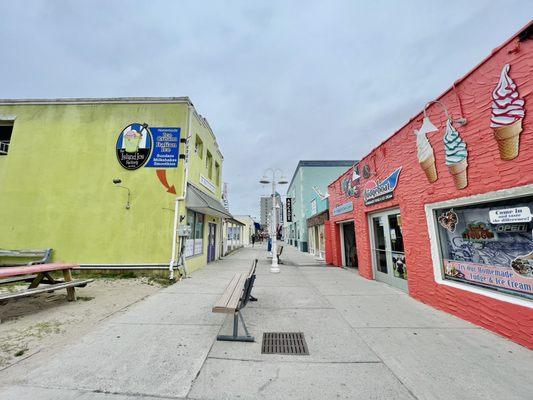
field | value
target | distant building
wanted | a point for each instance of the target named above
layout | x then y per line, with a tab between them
248	229
266	211
311	179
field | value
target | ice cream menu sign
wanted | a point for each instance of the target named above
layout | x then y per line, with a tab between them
139	145
166	148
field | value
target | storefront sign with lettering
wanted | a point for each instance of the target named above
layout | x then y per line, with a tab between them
376	191
343	208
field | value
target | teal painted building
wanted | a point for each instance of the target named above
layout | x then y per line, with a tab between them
310	180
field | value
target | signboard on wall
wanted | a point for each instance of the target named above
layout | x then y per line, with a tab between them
166	148
376	191
343	208
134	146
288	204
207	183
139	145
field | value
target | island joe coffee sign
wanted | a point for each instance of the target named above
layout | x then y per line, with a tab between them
378	191
139	145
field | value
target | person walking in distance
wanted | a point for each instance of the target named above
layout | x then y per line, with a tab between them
253	240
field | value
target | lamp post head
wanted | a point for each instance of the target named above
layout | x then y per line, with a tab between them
283	181
264	180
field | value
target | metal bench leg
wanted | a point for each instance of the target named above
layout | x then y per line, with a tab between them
235	337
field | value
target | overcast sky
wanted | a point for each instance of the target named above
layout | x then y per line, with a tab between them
279	81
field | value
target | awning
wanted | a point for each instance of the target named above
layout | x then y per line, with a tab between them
203	203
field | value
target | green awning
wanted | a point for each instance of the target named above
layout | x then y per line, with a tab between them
203	203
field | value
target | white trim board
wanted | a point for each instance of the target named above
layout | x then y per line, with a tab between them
434	245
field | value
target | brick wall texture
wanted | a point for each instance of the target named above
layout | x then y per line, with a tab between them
470	97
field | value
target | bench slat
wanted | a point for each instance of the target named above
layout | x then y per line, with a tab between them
44	289
233	302
9	272
20	278
229	300
226	295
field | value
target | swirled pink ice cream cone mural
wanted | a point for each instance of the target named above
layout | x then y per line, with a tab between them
507	115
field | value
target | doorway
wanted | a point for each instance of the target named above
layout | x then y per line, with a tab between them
211	242
348	248
388	252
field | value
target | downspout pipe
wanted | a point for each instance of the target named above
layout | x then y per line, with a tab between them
180	198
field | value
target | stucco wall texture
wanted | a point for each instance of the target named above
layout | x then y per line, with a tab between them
470	97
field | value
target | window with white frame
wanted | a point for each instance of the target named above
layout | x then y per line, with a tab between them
488	245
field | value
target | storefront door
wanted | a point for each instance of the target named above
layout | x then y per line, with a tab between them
211	242
387	248
348	244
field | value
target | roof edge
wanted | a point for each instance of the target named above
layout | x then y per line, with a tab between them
98	100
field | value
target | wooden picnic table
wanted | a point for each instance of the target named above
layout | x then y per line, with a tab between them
40	274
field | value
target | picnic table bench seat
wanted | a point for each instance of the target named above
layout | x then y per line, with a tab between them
234	299
40	274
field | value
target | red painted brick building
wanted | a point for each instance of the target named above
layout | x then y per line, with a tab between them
444	213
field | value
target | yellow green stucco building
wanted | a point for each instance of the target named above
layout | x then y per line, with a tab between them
97	181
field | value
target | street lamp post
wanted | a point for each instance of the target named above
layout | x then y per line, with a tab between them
280	180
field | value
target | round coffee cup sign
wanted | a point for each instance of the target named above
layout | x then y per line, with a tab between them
134	146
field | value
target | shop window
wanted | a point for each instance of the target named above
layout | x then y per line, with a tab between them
6	129
209	164
217	173
195	243
199	147
489	245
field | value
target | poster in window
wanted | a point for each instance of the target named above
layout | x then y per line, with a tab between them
189	248
493	255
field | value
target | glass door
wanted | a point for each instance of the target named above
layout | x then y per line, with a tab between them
387	248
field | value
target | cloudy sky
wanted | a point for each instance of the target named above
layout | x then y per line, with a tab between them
279	81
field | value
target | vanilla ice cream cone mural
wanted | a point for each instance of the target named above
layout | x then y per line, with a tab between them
456	156
507	115
426	157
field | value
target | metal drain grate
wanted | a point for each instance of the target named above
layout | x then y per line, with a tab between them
292	343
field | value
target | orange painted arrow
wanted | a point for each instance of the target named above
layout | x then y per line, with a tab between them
162	175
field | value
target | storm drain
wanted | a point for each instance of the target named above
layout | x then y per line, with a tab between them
292	343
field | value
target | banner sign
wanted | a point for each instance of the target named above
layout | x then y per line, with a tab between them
488	275
166	148
288	204
376	192
343	208
510	215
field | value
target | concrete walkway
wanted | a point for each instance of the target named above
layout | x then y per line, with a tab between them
366	341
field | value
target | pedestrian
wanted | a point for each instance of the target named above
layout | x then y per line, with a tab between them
253	240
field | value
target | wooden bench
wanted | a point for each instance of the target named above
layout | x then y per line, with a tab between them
42	256
234	299
40	274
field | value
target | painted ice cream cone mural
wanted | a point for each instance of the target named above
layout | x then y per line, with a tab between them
426	157
507	115
456	156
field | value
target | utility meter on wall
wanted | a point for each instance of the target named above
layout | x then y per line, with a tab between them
184	230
